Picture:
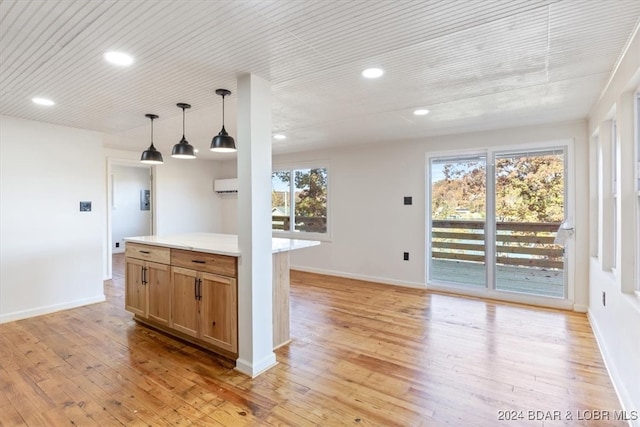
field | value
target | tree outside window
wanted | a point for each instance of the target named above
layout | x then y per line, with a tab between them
299	205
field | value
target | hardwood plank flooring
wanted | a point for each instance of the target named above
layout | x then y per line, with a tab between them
362	354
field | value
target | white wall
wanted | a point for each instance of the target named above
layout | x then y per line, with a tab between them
127	219
185	200
371	227
50	252
617	324
229	201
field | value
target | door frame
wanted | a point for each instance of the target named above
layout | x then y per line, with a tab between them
109	238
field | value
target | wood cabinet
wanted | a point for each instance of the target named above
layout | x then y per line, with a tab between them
158	280
192	295
135	298
147	283
185	301
205	307
219	311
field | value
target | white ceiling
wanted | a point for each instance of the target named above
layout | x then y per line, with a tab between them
474	64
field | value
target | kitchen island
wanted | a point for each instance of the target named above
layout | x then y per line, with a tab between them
186	285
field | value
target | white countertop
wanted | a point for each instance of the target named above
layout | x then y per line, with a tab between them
221	244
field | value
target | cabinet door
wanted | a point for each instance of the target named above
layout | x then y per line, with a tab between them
135	299
184	305
159	289
219	312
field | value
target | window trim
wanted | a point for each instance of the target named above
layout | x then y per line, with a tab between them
305	235
637	164
614	194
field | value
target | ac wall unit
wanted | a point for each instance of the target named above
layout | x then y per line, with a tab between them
226	185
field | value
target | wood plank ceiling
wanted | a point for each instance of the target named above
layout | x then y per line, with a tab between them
474	64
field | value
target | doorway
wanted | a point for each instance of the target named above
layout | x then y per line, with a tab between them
130	209
130	204
494	220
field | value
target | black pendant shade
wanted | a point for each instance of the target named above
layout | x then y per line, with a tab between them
151	156
222	142
183	150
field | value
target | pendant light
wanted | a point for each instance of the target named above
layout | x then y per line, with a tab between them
183	150
222	142
151	156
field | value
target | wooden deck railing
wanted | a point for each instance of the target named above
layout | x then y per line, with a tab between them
517	243
309	224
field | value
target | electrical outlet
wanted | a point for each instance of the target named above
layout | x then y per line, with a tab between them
117	244
406	256
408	200
604	298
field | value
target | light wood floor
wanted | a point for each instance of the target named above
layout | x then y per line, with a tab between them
363	354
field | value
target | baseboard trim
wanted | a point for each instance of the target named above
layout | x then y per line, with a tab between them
375	279
39	311
580	308
255	369
616	378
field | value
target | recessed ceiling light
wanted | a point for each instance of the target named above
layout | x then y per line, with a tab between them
118	58
279	136
372	73
421	112
43	101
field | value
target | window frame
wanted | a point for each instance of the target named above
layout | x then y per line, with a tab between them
637	163
615	166
304	235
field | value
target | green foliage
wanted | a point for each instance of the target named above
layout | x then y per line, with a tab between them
528	189
311	192
310	186
461	192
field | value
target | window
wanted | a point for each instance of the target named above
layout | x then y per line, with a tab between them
637	135
299	200
595	196
614	192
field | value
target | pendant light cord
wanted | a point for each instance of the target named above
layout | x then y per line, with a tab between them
222	110
151	131
182	122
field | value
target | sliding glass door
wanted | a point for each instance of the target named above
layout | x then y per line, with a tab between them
493	224
529	206
458	213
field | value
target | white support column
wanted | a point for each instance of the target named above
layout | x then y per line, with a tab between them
255	325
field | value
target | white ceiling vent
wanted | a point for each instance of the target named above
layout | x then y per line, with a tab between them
225	185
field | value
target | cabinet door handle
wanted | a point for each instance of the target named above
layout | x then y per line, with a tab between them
199	289
195	288
144	275
197	261
145	252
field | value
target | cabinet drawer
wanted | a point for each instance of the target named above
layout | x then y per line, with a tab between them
217	264
148	253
